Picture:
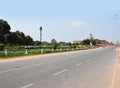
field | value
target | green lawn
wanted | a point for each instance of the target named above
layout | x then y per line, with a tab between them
23	52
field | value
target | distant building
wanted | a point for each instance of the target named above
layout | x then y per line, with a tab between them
102	42
77	42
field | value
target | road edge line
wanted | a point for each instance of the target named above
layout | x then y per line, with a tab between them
115	70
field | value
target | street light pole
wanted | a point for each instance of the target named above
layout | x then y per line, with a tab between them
40	36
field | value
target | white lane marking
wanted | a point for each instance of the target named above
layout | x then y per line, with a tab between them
14	69
8	70
60	72
78	64
28	85
115	71
24	67
87	60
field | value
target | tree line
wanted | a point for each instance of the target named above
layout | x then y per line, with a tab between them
18	38
13	38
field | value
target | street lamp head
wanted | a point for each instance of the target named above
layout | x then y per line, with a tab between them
40	28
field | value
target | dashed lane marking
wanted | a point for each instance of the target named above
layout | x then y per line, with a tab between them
78	64
31	84
60	72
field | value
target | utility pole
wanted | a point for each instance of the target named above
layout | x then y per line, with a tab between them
40	36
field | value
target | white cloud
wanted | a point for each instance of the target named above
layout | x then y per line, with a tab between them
78	23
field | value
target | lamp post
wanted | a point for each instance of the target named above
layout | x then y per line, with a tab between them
40	36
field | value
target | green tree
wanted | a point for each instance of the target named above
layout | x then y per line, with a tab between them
85	42
18	38
12	38
54	44
92	41
9	38
61	44
1	47
36	43
69	44
4	29
28	40
45	44
15	38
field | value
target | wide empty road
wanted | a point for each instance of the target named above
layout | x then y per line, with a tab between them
86	69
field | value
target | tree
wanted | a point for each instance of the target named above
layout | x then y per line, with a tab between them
1	47
4	29
18	38
85	42
9	38
54	44
92	41
61	44
36	43
14	38
1	39
28	40
45	44
69	44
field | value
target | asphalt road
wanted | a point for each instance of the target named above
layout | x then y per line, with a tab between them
90	69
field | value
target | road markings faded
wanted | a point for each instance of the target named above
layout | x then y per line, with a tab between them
8	70
28	85
14	69
24	67
78	64
60	72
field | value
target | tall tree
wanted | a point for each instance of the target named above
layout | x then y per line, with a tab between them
85	42
54	44
92	41
45	44
18	38
4	29
36	43
28	40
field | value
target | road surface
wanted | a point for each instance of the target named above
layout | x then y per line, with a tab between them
89	69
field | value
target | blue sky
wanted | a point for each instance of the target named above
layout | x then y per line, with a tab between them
64	20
